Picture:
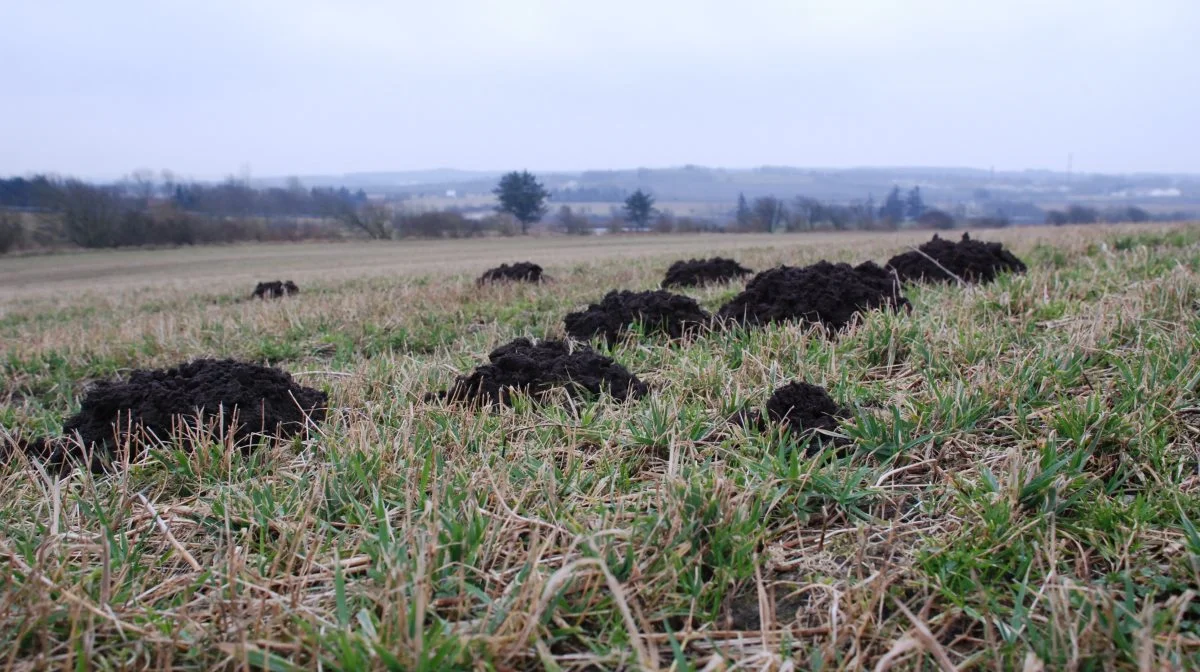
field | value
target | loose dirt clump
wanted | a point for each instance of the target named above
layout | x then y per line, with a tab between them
699	272
831	294
970	260
275	289
804	409
237	400
523	367
658	311
522	271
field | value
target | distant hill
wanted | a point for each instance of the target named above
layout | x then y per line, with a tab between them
946	186
386	179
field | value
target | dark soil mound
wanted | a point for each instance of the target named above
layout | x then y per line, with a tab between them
165	403
971	260
697	272
806	410
827	293
534	369
522	271
658	311
275	289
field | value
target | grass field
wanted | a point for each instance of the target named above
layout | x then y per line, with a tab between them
1021	491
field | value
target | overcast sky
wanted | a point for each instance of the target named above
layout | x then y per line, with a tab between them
286	87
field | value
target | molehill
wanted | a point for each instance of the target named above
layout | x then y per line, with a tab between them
241	399
698	272
804	409
522	271
658	311
971	260
521	366
831	294
275	289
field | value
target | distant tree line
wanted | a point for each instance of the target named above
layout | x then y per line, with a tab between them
229	198
32	193
144	209
771	214
149	209
601	194
140	211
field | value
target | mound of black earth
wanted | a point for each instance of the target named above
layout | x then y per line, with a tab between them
522	271
805	410
534	369
235	399
275	289
699	272
658	312
826	293
970	260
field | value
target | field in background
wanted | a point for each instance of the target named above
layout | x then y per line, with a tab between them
1020	491
230	267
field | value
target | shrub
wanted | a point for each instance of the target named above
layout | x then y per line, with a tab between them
936	219
1081	214
1127	214
438	224
11	232
693	225
91	215
372	219
1056	217
664	223
572	223
992	222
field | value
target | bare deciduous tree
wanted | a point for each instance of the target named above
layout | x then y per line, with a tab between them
141	185
373	219
91	215
571	222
